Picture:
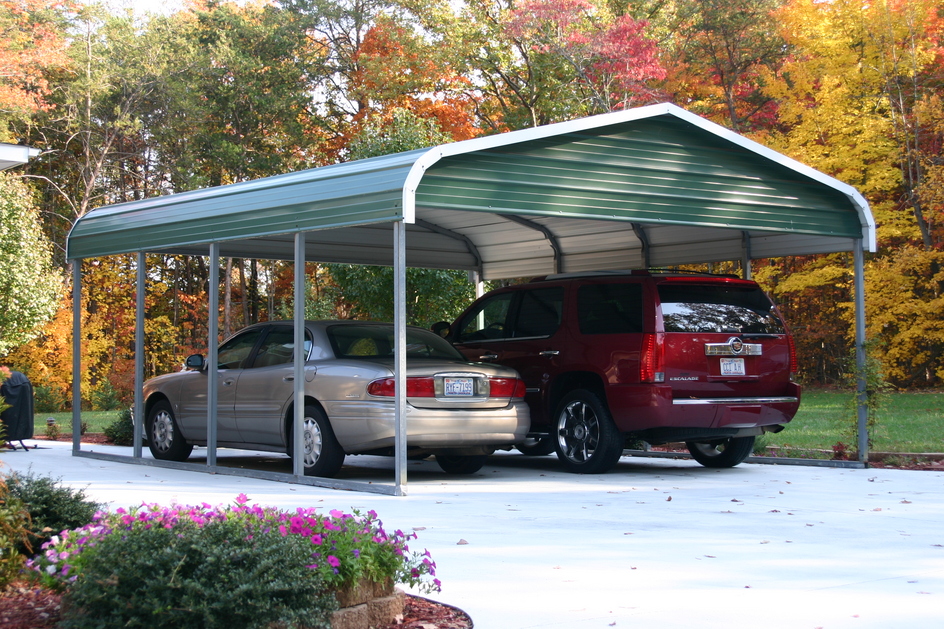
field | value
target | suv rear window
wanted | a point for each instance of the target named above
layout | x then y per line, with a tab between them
609	308
714	308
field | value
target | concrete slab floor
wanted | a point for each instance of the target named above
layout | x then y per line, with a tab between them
656	543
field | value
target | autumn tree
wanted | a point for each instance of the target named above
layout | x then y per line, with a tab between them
856	100
718	55
32	43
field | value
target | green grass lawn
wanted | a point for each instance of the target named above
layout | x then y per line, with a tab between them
907	422
96	420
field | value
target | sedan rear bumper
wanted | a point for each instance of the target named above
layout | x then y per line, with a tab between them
368	425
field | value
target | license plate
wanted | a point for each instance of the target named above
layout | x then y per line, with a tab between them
732	367
458	387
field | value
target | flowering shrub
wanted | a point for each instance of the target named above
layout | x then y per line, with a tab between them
341	548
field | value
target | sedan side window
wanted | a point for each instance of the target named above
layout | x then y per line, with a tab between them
278	348
488	321
234	352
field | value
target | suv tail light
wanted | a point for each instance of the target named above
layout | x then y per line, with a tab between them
793	356
652	359
426	387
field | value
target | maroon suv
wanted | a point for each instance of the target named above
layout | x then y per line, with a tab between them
611	358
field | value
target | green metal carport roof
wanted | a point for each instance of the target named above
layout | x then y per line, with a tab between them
652	186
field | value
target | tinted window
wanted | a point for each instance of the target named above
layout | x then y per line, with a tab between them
233	352
609	308
717	308
539	313
376	341
488	321
278	346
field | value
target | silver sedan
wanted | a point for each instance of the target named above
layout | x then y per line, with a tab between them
459	411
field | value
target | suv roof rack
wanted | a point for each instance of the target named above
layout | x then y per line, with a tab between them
638	272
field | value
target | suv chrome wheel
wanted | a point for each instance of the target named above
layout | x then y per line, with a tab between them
587	439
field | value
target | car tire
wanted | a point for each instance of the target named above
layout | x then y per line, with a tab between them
164	438
586	438
536	447
461	464
322	454
721	452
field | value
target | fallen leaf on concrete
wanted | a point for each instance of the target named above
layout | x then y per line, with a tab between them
461	542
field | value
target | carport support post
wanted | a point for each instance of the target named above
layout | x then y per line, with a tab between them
399	324
77	354
862	406
298	421
213	343
139	356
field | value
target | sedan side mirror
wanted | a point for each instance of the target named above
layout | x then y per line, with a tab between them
195	361
441	328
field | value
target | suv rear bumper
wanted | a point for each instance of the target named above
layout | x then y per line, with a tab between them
645	407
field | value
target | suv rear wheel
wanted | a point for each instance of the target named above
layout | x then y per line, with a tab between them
723	452
587	440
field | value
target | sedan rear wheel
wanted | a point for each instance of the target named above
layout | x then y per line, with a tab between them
723	452
588	441
322	455
164	438
536	447
461	464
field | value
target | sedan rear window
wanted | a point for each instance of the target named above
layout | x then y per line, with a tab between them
376	341
718	308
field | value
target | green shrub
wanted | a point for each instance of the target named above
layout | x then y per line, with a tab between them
52	507
121	430
105	397
14	532
49	400
224	574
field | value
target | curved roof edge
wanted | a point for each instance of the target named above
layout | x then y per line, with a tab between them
433	155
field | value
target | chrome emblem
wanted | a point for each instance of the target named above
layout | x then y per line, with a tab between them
737	346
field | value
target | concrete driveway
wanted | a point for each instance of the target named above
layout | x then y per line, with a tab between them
656	543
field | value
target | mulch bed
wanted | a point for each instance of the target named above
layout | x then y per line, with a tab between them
26	606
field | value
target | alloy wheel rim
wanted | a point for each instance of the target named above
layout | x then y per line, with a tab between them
162	432
313	441
578	432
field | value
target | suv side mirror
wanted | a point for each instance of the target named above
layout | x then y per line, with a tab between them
195	361
441	328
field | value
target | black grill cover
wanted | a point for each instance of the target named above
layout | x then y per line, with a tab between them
18	393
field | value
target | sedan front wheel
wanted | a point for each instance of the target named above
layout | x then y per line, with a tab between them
164	438
322	454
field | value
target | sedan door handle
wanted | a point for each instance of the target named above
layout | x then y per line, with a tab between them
549	352
288	379
488	357
228	383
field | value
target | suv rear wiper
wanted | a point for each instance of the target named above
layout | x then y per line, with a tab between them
759	335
